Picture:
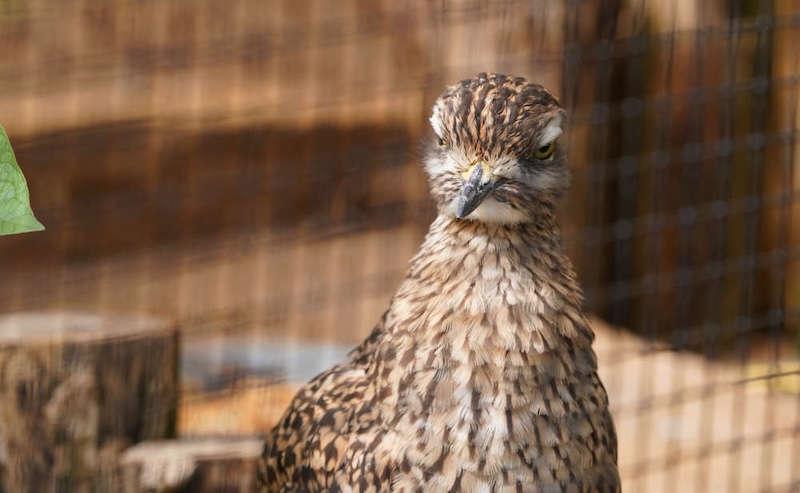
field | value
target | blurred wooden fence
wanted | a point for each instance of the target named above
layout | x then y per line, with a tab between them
253	167
146	123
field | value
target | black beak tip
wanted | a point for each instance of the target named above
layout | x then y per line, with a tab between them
461	212
466	205
473	193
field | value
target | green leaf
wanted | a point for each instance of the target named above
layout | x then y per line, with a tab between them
16	215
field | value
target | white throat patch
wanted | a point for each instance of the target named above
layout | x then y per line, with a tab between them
493	211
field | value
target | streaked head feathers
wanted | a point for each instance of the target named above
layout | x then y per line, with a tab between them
508	128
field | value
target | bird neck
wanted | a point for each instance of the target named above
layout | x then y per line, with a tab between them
485	310
502	288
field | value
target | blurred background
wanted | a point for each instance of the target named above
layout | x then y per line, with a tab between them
251	171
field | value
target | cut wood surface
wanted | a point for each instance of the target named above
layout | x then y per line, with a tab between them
75	390
220	465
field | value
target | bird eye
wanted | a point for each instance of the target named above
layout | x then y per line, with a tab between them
442	143
545	152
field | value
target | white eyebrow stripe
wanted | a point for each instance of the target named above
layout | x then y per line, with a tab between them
551	132
436	121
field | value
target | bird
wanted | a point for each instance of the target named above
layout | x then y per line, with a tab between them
480	376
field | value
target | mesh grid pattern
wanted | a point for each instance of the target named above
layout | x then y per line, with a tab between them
252	169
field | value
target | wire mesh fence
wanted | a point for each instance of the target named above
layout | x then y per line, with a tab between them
252	170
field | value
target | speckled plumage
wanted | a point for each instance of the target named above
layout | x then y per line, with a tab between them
480	377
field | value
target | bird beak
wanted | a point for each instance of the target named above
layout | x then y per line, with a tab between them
478	182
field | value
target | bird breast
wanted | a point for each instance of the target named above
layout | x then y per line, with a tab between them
494	371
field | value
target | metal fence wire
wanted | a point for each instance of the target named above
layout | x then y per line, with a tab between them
252	170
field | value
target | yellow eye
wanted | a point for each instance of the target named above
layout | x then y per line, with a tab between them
545	152
442	142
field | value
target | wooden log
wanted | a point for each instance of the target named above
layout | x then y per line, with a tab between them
76	389
191	465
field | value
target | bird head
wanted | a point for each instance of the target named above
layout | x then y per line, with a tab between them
496	156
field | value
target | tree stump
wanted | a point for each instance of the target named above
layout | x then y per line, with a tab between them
76	390
190	465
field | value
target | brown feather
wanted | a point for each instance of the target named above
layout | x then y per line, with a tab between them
480	375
